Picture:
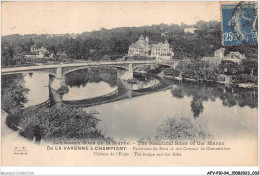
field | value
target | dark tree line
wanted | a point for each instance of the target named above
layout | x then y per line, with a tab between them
114	43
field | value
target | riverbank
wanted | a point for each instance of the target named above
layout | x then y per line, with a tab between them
242	85
7	134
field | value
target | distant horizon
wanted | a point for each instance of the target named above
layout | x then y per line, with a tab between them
25	18
105	28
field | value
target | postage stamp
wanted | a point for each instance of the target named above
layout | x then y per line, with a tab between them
239	23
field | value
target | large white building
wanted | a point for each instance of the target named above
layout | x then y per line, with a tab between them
161	50
142	48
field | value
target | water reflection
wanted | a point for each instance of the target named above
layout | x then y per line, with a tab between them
90	83
140	117
145	84
37	83
137	109
91	75
196	106
90	91
100	85
200	93
28	89
94	86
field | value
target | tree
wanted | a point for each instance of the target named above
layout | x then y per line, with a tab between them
180	128
231	68
7	53
58	122
198	70
250	67
115	42
13	93
196	106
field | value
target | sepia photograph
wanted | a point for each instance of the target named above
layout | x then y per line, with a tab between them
129	83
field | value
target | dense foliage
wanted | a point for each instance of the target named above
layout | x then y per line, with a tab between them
56	122
114	43
181	129
171	72
11	54
44	122
244	72
198	70
59	122
13	93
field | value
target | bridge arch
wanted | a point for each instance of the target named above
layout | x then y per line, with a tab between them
142	65
60	70
126	68
44	71
69	70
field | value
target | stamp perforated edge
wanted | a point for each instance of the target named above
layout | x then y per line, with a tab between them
221	3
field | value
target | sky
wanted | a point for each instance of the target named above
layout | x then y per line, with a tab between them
77	17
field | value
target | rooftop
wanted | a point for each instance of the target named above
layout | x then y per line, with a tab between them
237	54
158	45
135	45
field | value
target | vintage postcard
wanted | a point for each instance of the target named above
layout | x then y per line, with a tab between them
129	83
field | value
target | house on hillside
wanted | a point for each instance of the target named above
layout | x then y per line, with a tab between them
190	30
34	48
61	54
216	59
234	57
42	49
141	47
162	51
37	52
190	33
51	56
219	57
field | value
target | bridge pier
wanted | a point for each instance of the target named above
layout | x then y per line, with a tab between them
58	81
128	88
153	66
174	65
125	75
55	97
59	72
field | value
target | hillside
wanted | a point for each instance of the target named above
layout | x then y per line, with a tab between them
114	43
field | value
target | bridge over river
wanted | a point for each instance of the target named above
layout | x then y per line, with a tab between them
124	91
60	70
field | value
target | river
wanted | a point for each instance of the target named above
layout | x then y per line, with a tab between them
135	111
